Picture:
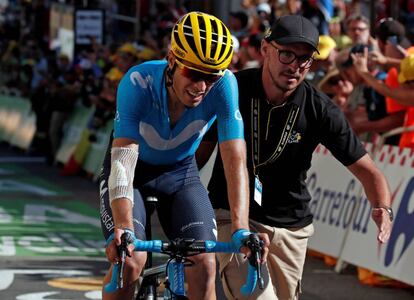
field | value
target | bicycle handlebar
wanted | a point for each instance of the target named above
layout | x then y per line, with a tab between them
190	247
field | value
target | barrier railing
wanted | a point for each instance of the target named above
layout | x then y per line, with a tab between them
18	128
73	129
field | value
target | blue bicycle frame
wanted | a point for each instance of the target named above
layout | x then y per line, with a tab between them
175	269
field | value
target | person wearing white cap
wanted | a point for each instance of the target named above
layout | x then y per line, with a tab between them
263	8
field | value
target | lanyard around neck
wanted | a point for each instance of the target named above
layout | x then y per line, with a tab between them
255	117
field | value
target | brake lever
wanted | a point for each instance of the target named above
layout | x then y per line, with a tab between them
123	252
256	246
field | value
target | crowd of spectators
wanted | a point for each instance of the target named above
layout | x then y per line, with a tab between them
55	84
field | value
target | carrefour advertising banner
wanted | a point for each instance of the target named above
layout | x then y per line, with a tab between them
342	213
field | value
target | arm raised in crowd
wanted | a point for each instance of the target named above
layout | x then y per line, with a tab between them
403	95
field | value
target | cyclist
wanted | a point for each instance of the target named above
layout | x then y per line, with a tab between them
163	110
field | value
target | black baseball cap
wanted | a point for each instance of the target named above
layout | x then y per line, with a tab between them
293	29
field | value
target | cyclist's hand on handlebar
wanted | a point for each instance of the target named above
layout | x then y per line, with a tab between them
264	238
240	236
113	243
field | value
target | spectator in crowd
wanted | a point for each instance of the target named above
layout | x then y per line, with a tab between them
337	33
29	69
293	7
402	94
9	64
391	39
41	87
358	29
40	69
406	12
63	90
236	61
41	23
343	84
254	56
63	97
126	57
238	22
166	15
148	48
264	11
392	48
319	12
324	59
63	65
105	103
366	108
262	19
339	10
276	102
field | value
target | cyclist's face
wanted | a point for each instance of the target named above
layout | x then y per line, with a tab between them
190	86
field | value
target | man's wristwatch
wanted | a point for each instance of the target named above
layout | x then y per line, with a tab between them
388	210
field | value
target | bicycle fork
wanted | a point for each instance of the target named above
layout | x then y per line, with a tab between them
175	277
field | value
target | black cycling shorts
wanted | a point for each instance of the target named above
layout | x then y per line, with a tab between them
183	207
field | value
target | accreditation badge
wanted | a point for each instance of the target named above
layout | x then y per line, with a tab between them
258	190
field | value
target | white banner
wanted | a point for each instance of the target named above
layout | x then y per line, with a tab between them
66	42
343	226
89	23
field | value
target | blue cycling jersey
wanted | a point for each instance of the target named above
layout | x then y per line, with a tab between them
142	115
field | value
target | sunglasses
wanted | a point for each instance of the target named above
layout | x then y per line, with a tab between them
197	75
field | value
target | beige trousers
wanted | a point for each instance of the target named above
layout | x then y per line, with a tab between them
283	272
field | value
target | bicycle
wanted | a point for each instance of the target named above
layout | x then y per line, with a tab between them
179	251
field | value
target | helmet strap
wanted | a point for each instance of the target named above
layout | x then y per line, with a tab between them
169	74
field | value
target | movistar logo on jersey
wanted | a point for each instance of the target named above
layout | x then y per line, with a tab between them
155	141
137	79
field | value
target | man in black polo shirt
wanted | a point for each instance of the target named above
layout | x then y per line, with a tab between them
285	119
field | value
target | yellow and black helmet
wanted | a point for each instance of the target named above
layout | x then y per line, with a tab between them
203	40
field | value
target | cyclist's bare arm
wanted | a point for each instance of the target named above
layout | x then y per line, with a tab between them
233	154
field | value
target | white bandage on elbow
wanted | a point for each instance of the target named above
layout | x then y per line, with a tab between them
121	178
